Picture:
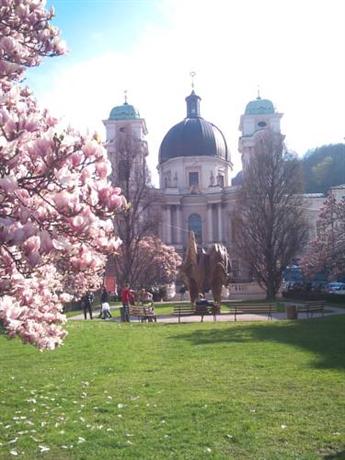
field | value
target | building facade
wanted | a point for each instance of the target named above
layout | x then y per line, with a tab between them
195	168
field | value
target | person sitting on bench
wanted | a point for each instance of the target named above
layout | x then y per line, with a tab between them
146	297
202	304
203	301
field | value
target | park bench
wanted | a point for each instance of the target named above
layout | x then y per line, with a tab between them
244	309
312	306
190	310
142	313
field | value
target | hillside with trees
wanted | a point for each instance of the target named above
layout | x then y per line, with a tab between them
324	167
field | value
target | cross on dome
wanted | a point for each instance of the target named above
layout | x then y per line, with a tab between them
192	74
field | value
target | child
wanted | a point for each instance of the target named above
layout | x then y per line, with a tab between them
105	312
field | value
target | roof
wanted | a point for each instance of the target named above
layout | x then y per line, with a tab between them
259	106
193	136
124	112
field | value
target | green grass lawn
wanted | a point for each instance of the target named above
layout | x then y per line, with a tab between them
265	390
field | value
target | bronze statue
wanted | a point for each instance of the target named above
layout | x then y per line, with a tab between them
205	270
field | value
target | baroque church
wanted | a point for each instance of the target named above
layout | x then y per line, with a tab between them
194	164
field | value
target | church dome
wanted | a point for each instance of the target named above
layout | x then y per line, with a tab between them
259	107
193	136
124	112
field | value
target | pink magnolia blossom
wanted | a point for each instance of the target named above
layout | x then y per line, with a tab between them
155	262
56	204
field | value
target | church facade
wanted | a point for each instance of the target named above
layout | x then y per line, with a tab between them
195	168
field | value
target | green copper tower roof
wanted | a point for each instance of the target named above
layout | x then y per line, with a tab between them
124	112
259	107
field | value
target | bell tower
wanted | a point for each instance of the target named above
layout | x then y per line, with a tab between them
125	141
259	114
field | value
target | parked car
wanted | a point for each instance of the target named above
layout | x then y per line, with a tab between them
336	288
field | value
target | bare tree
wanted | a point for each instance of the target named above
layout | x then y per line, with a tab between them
142	215
271	228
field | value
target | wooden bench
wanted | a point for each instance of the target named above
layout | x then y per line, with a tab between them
190	310
142	313
203	310
244	309
312	306
183	310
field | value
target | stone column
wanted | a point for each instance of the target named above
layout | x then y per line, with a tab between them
178	225
209	223
220	222
168	224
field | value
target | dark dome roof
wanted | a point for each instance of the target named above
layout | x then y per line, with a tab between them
193	136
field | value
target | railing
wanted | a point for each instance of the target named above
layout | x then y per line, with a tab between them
246	290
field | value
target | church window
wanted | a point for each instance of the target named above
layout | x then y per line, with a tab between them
262	124
195	225
193	178
220	180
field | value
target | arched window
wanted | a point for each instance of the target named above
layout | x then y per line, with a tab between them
195	225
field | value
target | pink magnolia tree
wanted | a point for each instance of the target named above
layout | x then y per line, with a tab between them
327	251
155	263
56	203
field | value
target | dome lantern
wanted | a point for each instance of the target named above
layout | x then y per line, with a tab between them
193	105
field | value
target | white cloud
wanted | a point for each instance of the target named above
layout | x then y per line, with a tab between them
293	50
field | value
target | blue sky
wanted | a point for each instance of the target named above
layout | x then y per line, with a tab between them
295	51
97	26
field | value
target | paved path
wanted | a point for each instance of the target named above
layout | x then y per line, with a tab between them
222	317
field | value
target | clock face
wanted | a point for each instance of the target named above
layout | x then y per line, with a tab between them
262	124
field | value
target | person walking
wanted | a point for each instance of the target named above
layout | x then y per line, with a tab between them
125	298
87	304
